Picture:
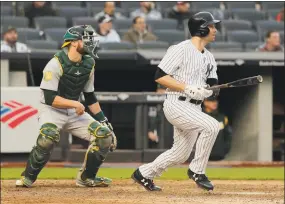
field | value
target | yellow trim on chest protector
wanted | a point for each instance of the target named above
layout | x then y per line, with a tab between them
61	69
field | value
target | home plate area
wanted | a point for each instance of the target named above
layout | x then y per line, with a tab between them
125	191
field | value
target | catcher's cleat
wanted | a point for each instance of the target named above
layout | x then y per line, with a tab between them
201	180
96	182
24	182
146	183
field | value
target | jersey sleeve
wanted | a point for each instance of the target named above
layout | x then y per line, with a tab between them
213	73
51	75
89	86
172	59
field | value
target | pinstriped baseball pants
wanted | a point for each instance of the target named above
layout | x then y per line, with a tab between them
188	121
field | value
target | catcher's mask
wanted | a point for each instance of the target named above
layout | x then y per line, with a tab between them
88	36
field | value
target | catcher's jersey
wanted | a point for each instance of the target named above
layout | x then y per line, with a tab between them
185	63
51	76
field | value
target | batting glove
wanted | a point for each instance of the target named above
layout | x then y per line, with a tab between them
197	93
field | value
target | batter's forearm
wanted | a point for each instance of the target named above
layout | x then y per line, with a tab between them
171	83
60	102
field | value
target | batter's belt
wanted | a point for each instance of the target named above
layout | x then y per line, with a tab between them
196	102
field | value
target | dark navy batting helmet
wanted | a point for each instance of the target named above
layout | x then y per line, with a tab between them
199	22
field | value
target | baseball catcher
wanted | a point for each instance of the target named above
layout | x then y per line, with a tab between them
69	73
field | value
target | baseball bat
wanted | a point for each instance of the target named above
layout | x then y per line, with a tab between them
239	83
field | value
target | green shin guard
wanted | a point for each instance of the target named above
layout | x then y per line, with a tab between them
39	156
93	162
97	150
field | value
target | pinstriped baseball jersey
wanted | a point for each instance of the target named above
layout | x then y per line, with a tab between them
185	63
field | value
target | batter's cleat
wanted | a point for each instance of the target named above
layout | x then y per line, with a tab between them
24	182
146	183
201	180
96	182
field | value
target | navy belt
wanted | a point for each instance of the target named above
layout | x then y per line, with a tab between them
196	102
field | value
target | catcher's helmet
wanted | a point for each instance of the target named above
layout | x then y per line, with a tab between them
85	33
198	23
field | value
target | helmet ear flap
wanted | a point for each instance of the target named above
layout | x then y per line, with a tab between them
196	27
204	31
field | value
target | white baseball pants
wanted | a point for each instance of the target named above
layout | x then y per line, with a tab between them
188	121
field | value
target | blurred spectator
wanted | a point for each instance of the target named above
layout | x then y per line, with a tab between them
180	12
138	33
222	144
10	44
38	8
109	9
280	16
272	44
147	11
106	31
154	120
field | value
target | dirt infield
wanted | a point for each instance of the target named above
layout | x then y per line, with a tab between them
125	191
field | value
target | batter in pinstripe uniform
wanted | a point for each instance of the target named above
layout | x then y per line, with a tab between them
186	70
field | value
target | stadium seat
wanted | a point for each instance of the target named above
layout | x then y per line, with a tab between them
272	5
169	36
95	10
226	47
264	26
68	3
122	11
55	34
6	11
25	34
218	13
202	5
70	12
272	13
251	46
230	25
122	23
42	44
122	32
249	14
117	46
96	4
162	5
84	21
153	45
240	4
130	4
162	24
242	36
15	21
44	22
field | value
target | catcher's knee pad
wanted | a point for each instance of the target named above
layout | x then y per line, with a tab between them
48	137
102	137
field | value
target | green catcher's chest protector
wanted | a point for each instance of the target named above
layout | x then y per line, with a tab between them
74	76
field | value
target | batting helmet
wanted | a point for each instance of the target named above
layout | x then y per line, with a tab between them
198	23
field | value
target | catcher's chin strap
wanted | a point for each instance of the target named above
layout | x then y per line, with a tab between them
97	150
